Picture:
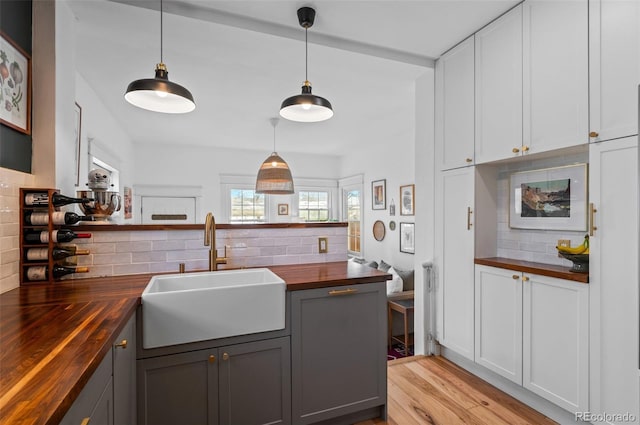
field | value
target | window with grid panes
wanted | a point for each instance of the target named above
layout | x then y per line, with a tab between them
313	205
247	206
353	221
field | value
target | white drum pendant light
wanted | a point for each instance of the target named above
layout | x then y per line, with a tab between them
306	107
159	94
274	176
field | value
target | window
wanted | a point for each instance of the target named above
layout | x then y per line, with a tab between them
313	206
352	203
247	206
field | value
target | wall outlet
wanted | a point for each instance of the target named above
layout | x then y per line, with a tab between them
323	245
565	243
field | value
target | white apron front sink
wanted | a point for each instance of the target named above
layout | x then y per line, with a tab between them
182	308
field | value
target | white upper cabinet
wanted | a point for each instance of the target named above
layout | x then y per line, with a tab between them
454	106
555	67
498	121
614	49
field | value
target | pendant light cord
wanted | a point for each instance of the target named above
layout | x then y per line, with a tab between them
306	54
274	138
161	60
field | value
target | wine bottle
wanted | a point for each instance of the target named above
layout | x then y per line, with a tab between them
35	273
57	253
60	235
41	199
57	217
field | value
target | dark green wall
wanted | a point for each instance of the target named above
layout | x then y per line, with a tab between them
15	22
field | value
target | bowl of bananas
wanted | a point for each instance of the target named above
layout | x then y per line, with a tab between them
579	255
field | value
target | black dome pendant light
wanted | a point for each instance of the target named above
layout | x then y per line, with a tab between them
306	107
159	94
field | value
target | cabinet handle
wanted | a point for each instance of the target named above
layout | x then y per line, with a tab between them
212	358
122	344
592	212
594	134
525	149
515	276
85	421
469	160
525	279
343	291
225	356
469	212
515	150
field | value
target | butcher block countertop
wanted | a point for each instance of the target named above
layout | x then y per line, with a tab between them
542	269
53	337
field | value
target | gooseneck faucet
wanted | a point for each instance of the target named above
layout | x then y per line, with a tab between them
210	240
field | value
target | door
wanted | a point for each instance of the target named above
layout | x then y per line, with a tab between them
555	67
498	324
498	88
614	68
255	383
178	389
168	210
455	262
613	278
556	341
455	106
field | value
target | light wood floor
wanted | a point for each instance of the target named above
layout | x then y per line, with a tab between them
432	390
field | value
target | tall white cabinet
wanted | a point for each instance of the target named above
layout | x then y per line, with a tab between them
455	247
613	190
614	68
455	106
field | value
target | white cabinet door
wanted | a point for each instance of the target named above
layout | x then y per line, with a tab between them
455	247
613	190
614	67
499	88
455	106
556	89
498	324
556	341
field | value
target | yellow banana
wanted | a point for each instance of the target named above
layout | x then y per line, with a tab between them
580	249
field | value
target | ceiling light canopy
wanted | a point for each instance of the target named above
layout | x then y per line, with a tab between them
158	94
274	176
306	107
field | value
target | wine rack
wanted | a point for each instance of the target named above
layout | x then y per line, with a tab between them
26	227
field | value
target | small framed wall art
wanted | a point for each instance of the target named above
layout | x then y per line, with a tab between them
549	199
379	194
15	86
283	209
407	200
407	238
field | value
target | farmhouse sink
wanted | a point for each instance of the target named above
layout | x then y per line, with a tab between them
182	308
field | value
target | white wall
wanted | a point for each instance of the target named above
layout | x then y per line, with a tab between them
425	195
393	160
196	165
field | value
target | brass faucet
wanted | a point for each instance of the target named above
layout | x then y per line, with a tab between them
210	240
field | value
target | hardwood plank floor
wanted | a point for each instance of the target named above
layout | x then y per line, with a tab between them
432	390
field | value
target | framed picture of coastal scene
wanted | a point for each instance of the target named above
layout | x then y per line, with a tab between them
549	199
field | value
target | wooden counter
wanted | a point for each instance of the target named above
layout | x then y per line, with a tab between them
53	337
542	269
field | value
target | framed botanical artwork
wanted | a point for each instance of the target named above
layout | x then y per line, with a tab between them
407	238
549	199
283	209
15	86
78	137
379	194
407	200
128	203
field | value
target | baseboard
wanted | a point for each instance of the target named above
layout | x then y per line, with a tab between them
516	391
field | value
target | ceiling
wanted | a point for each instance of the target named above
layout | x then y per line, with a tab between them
240	59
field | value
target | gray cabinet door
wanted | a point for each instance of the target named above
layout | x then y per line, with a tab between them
255	383
338	352
179	389
124	375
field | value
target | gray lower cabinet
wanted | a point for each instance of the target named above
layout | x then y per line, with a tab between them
338	354
109	397
242	384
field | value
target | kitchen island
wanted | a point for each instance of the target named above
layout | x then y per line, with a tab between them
54	337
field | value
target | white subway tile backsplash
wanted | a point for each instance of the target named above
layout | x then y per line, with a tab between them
146	235
100	237
131	268
149	257
168	245
104	259
190	254
133	246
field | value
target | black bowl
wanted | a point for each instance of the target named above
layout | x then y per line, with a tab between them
580	261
